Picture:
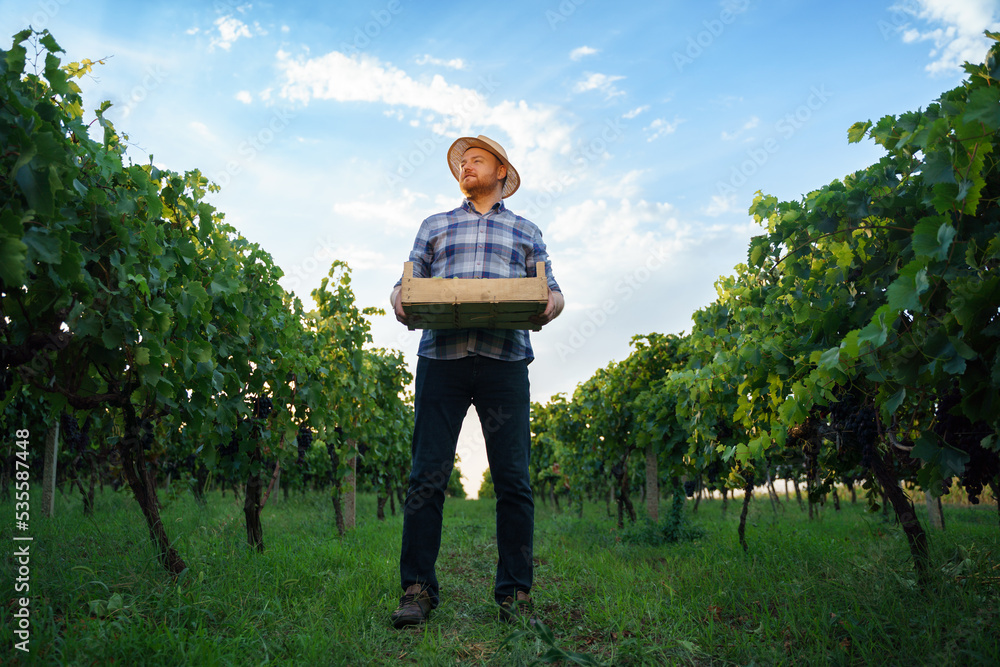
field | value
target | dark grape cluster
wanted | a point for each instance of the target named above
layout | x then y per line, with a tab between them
959	432
230	450
863	431
304	441
188	464
846	405
331	447
690	486
331	450
981	468
76	441
147	433
262	407
857	426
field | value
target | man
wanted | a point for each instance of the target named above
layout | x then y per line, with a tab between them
487	368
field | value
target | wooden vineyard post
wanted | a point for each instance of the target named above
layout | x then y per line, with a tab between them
49	470
350	488
934	511
652	485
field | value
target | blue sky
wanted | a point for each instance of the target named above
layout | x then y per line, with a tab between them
641	130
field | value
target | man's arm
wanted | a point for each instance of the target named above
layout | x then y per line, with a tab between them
556	300
552	309
396	299
421	256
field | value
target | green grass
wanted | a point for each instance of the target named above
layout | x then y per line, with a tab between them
837	590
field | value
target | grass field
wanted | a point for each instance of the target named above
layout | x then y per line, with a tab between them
837	590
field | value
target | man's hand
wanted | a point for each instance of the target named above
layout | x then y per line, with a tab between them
397	307
552	309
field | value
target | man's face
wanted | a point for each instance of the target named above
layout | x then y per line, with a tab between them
479	173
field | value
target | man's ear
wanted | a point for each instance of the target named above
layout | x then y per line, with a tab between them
502	172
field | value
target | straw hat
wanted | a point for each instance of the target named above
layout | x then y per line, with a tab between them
464	143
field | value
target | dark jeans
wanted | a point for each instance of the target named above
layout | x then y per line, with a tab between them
444	391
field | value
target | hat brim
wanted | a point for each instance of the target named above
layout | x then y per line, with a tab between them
463	144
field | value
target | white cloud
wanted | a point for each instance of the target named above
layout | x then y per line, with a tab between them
359	258
625	186
360	78
532	134
201	130
454	63
601	82
749	125
244	96
635	112
232	29
661	128
581	52
630	234
399	214
594	223
720	204
954	28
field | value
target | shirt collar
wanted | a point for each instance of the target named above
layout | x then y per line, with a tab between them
497	208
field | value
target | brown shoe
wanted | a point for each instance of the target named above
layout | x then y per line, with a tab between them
414	607
520	608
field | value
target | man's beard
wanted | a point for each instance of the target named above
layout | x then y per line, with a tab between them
479	188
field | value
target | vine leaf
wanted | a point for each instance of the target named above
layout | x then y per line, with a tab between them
858	131
904	293
984	106
932	237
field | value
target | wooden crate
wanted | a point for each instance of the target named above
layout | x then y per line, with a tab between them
483	303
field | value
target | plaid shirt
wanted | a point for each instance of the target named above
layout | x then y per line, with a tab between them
463	244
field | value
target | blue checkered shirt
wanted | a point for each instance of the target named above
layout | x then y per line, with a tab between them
463	244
